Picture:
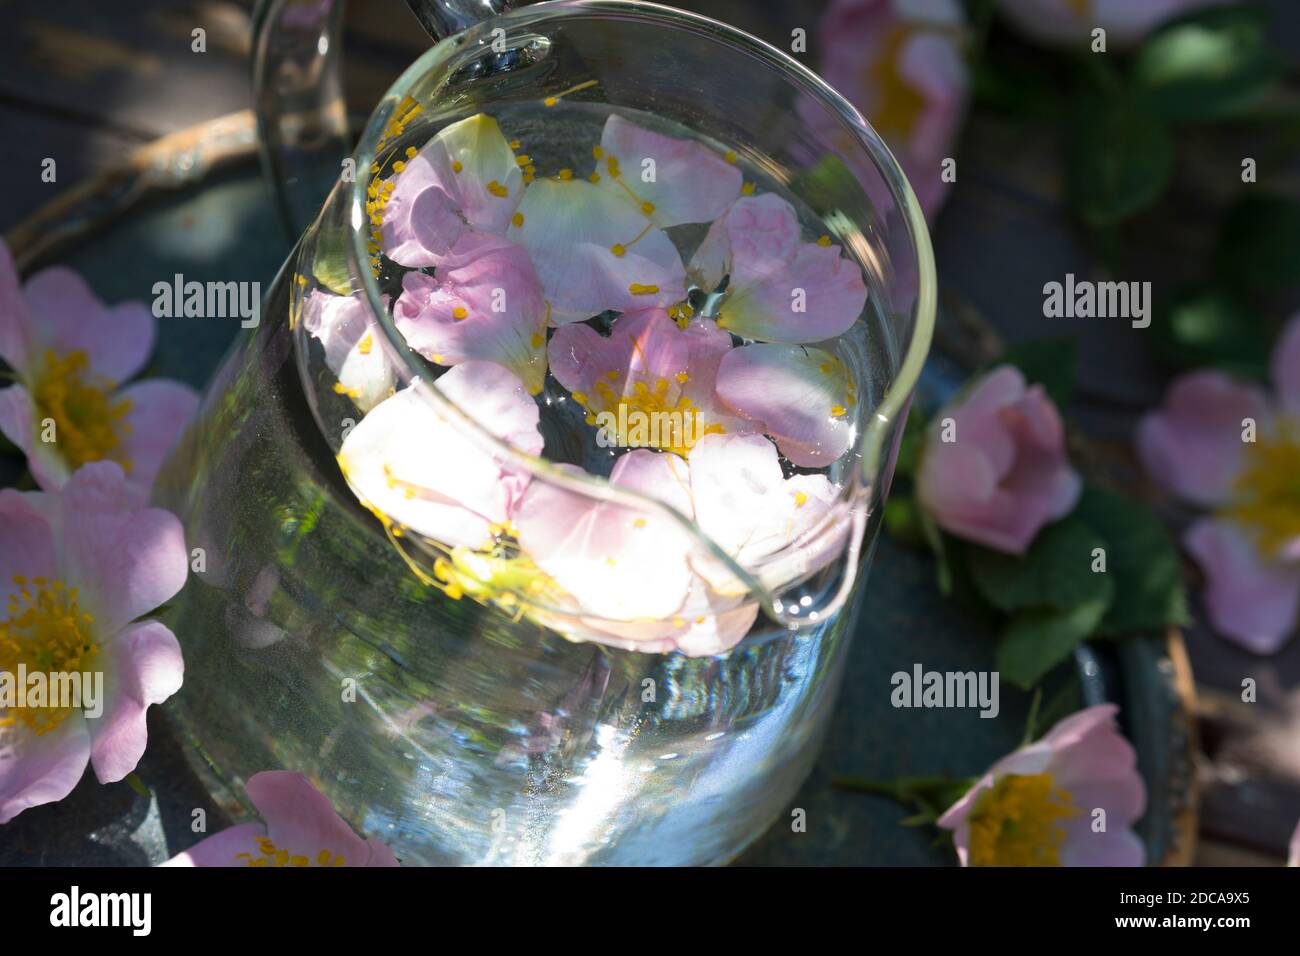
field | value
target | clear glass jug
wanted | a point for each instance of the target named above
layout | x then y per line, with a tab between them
449	601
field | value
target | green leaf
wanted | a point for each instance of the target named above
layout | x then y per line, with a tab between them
1048	361
1141	561
1212	326
1038	639
1120	162
1056	572
1208	65
1257	246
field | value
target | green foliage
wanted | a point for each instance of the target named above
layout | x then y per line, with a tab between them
1259	244
1038	639
1212	326
1056	571
1121	158
1049	362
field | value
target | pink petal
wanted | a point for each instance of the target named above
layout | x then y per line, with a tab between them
301	820
354	345
490	283
800	394
648	364
1193	444
1116	846
125	562
26	540
36	770
707	624
1286	366
571	229
756	238
67	317
160	410
1250	600
15	320
619	563
222	848
464	179
18	424
425	472
142	665
691	183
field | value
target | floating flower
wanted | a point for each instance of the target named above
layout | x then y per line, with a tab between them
1068	800
1071	22
648	374
779	288
594	251
669	181
465	180
484	303
352	341
78	569
639	579
993	468
803	395
70	353
419	471
301	829
1227	445
900	63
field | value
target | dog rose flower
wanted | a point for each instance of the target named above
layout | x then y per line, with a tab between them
1005	474
1039	806
1227	445
70	353
78	570
301	829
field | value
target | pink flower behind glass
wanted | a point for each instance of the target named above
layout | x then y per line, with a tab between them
301	829
1004	473
1227	445
78	569
900	63
1071	22
71	353
1039	806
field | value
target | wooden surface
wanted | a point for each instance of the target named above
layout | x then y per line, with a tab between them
86	82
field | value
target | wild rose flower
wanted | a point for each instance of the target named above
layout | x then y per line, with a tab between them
70	353
484	303
1005	474
900	63
1201	448
780	288
301	829
1039	806
1071	22
78	569
351	339
417	470
639	578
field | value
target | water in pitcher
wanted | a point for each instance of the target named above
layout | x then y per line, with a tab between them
452	729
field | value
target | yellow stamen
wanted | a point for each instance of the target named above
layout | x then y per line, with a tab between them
47	632
1267	492
1017	822
88	424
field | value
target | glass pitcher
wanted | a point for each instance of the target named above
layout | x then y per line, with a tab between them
491	623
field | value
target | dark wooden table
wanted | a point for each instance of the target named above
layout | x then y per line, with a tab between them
86	83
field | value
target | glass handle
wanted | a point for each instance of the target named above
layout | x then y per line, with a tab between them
302	121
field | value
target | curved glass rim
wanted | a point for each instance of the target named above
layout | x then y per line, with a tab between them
898	391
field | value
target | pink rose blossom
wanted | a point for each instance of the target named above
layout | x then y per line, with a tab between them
78	570
1227	445
900	63
301	829
70	354
1004	474
1040	805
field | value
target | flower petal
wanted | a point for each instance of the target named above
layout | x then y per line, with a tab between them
36	770
418	469
683	181
1193	444
1286	366
17	423
26	541
1250	600
142	666
125	562
15	319
301	820
485	303
160	410
222	848
574	231
68	317
465	177
802	396
354	351
619	563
